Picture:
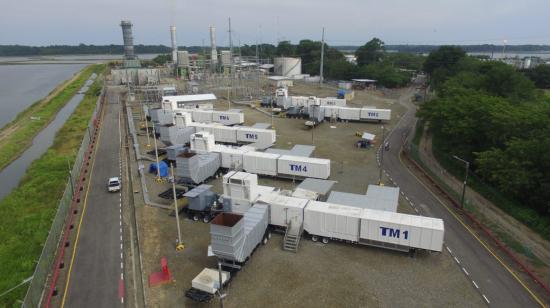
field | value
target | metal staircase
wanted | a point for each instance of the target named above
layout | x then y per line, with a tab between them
292	237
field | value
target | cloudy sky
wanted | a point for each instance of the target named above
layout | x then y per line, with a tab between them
347	22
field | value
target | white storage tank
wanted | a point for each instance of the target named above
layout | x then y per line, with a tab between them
183	58
284	210
328	220
375	114
303	167
228	117
288	67
380	228
259	135
260	163
350	114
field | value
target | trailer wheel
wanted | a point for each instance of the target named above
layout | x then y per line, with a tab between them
314	238
206	219
196	217
325	240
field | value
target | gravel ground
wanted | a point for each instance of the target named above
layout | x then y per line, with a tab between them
335	274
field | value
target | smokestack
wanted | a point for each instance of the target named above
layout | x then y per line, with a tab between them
214	52
174	45
128	39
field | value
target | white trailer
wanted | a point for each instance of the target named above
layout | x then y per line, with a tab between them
259	135
349	114
375	114
228	117
332	221
401	231
332	101
231	157
202	116
260	163
284	210
225	134
303	167
331	111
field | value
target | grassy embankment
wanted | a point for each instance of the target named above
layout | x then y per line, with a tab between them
27	212
17	135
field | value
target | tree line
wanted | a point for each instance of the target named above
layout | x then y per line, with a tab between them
494	116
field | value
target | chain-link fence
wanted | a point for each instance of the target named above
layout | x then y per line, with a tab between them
45	263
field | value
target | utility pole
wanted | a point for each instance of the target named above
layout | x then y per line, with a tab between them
382	149
258	71
467	163
230	54
322	57
179	244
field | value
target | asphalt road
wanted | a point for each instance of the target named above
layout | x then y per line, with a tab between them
95	274
487	275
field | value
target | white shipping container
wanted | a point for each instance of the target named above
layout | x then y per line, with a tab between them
183	119
227	117
260	163
250	134
202	116
299	101
202	127
224	133
333	101
231	158
331	111
303	167
347	113
284	210
332	220
375	114
402	229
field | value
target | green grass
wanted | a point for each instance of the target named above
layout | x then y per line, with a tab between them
44	112
27	212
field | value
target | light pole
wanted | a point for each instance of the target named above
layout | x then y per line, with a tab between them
179	245
220	290
382	149
467	163
156	152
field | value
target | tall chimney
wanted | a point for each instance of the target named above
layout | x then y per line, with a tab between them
128	39
174	45
214	52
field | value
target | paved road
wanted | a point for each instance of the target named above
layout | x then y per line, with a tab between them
492	280
95	273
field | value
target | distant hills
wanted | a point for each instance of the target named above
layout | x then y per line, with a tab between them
20	50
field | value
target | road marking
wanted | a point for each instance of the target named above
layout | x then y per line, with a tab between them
75	246
449	250
475	284
402	193
535	297
406	198
465	272
456	260
486	299
121	264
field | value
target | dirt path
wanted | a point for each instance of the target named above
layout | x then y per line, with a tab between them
11	127
521	233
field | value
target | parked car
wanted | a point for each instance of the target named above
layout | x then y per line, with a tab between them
113	185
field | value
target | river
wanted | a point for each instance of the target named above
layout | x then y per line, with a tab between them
14	172
22	85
